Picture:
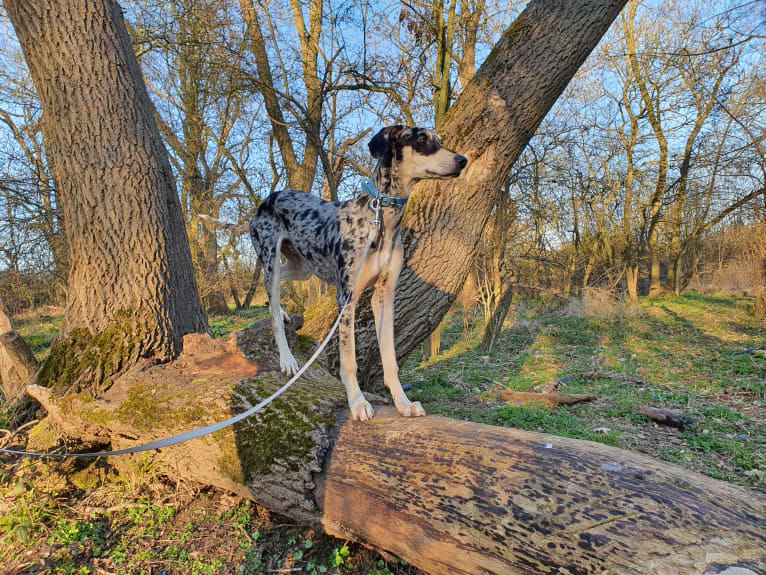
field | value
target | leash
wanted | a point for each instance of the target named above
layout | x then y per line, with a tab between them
208	429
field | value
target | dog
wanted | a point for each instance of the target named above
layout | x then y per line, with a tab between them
327	239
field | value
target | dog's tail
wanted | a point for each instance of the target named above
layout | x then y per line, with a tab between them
237	228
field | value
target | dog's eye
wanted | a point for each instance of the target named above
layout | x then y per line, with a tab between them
422	139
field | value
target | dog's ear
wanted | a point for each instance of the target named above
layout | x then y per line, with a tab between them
381	142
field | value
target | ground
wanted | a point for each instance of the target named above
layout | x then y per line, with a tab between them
691	354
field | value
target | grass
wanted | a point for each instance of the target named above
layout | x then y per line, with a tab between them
683	354
38	330
237	320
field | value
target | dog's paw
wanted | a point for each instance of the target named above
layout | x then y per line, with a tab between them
285	317
288	364
413	409
361	410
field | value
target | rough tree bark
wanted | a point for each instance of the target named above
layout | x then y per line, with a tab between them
17	363
132	290
450	497
490	123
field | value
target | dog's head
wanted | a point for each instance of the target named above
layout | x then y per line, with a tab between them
417	152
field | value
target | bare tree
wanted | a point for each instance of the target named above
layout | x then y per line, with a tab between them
132	291
308	116
491	122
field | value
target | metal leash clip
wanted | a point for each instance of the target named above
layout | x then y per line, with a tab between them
375	206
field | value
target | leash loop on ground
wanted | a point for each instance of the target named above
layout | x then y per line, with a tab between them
208	429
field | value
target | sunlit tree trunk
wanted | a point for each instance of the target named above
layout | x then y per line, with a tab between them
654	115
502	290
630	255
300	175
445	32
132	291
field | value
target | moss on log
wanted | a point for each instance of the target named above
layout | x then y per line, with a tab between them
271	457
448	496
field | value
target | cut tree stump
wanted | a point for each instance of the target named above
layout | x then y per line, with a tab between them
17	363
450	497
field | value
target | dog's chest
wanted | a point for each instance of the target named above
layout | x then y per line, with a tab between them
355	225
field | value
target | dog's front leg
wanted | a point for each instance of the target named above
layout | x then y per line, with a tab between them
359	406
383	309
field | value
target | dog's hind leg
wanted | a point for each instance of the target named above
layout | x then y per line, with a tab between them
272	278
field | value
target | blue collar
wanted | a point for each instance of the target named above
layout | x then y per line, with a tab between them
385	201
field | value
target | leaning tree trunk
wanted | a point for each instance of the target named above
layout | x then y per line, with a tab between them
132	291
450	497
17	363
490	123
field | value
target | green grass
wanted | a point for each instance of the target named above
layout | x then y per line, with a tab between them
223	325
682	354
38	331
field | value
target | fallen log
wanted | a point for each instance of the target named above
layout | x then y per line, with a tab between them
667	416
448	496
554	399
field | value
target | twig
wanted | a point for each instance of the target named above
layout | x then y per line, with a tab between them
28	424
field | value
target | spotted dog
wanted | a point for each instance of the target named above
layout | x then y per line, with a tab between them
329	238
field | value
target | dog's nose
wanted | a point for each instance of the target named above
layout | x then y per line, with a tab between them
461	161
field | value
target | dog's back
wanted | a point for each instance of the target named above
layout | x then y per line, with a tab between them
309	228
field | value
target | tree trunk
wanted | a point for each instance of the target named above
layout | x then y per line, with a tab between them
253	286
448	496
495	324
434	343
17	363
760	304
631	278
132	291
300	176
654	115
490	123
